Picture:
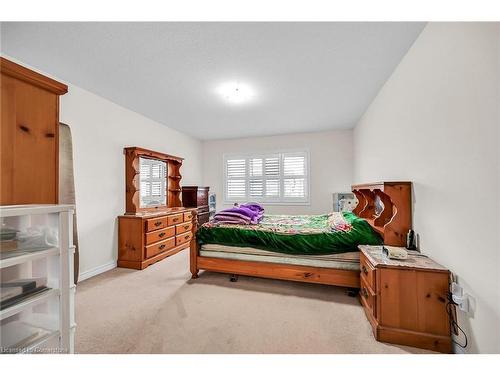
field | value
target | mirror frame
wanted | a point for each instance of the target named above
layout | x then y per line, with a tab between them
132	180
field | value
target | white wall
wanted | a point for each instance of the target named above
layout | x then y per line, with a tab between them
100	130
436	123
330	165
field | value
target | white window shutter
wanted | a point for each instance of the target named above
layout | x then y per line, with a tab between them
294	165
294	176
236	174
278	178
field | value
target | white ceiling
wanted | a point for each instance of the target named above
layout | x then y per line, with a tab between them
307	76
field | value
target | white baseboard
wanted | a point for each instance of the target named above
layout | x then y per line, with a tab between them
96	271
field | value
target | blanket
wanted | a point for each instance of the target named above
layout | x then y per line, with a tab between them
298	234
247	213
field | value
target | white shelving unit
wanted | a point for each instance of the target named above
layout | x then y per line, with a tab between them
43	322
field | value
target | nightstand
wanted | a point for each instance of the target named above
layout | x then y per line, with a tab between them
405	300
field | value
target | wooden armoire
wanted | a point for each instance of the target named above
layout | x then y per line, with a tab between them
29	135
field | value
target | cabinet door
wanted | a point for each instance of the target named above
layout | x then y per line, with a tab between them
29	157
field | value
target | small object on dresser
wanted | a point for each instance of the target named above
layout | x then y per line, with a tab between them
410	240
393	252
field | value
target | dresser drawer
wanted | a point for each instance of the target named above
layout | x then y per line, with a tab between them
182	228
367	298
174	219
188	216
156	223
183	238
159	235
367	271
159	247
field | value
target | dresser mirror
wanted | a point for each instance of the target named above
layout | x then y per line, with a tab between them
153	182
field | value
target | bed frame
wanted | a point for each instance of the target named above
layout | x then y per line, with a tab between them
385	205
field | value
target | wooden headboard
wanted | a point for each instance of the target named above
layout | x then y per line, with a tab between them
387	208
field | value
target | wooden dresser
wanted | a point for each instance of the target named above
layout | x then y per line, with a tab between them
405	300
197	196
144	239
155	224
29	160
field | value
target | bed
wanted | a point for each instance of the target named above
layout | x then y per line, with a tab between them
319	249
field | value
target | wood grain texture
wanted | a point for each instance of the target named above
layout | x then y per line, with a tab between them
158	235
183	238
194	250
406	305
132	179
19	72
138	246
29	136
317	275
182	228
386	206
160	247
130	239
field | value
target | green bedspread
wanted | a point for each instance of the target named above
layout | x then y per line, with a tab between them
300	234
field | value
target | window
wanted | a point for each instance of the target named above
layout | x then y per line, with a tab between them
270	178
153	182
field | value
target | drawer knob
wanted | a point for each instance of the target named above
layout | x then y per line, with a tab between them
162	247
162	234
175	219
186	237
158	223
364	270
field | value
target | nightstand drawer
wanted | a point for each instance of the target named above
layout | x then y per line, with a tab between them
156	223
367	271
174	219
368	298
159	235
182	228
183	238
160	247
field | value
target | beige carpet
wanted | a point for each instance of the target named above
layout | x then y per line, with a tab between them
160	310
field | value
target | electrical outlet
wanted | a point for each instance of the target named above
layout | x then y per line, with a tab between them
459	297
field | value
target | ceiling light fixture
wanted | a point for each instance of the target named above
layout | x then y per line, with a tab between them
236	92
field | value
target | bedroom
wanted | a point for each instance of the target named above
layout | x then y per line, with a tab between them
400	117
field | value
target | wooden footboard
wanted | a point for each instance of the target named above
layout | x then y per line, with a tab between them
280	271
